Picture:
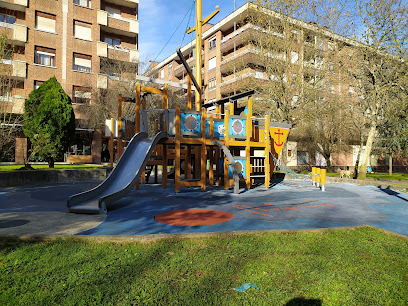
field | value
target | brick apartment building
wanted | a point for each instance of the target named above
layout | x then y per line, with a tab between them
68	39
228	43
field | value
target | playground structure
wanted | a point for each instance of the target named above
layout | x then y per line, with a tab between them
230	142
199	139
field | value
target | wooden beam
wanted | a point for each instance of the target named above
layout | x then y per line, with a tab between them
267	161
178	158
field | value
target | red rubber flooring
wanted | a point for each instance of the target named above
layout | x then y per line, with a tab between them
193	217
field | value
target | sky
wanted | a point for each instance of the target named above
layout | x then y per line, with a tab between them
159	19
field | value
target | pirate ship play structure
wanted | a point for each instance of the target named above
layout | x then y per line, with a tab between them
227	144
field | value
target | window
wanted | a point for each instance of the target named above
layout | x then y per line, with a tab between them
115	42
7	19
81	95
162	74
302	157
113	12
211	43
86	3
351	91
170	68
82	30
45	22
37	84
212	63
44	56
82	62
212	83
295	57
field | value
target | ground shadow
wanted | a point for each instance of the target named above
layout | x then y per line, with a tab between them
389	191
303	302
13	223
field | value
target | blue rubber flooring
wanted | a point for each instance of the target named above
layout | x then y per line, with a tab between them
287	205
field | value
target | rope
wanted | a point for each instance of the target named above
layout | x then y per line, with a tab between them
188	22
287	171
172	35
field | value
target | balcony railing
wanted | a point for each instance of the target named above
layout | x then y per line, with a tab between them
16	5
15	32
18	69
117	52
117	22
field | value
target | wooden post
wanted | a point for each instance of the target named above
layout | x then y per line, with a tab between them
231	108
211	153
187	162
111	142
203	151
226	142
178	150
248	132
137	115
188	92
164	171
217	110
165	105
120	143
166	96
267	165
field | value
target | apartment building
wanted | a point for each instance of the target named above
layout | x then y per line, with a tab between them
68	39
231	62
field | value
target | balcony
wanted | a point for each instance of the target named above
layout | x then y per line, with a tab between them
18	105
117	53
238	37
105	81
15	5
15	69
242	79
16	33
118	25
240	57
127	3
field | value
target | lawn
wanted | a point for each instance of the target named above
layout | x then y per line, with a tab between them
45	166
362	266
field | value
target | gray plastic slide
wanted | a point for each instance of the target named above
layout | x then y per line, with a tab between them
231	163
121	180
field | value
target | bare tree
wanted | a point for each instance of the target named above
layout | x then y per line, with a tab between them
10	118
378	71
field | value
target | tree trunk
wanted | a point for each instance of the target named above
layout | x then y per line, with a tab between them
50	162
369	144
328	163
357	161
390	165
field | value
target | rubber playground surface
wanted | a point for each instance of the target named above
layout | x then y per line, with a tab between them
41	210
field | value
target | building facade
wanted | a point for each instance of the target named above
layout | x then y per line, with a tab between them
68	39
231	62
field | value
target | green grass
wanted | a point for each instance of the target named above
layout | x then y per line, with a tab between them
45	166
362	266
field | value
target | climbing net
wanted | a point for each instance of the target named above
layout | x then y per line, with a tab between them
290	172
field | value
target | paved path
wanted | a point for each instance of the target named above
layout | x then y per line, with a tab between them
41	210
